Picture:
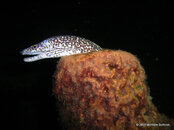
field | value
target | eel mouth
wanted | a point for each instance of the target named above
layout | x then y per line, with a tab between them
33	56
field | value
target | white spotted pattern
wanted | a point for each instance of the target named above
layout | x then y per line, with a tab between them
59	46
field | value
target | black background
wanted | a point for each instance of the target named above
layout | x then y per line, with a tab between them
143	29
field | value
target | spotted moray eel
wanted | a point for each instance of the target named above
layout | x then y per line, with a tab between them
59	46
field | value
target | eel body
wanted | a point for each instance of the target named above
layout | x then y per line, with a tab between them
59	46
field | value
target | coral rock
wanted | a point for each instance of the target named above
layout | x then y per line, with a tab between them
105	90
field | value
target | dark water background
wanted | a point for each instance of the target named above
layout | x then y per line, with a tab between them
142	28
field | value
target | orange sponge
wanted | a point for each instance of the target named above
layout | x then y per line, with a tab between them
105	90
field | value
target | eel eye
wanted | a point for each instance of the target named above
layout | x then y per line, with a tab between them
34	46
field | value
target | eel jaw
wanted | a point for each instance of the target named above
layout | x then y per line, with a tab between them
26	52
33	57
